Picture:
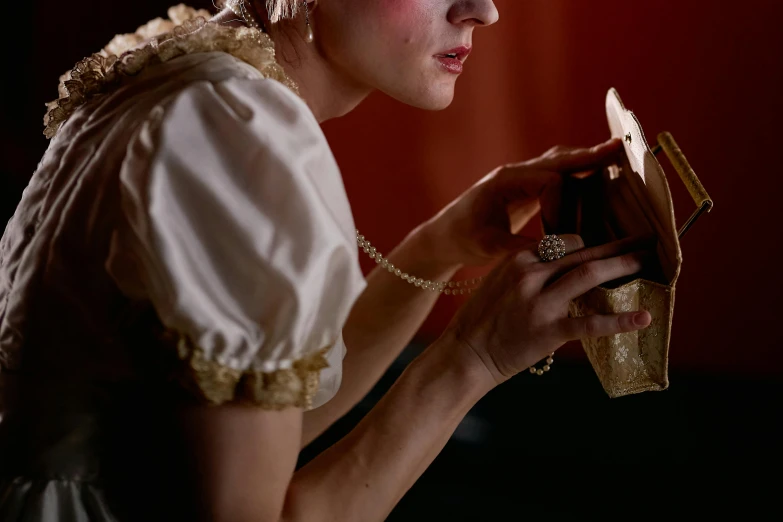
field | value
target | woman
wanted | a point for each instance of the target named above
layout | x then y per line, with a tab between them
181	305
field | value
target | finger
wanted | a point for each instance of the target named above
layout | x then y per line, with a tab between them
502	241
582	159
529	254
521	212
589	275
604	325
573	242
517	183
579	256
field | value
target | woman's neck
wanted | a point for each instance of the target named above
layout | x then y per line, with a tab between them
328	92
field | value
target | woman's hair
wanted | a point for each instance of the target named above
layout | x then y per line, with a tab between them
278	10
274	11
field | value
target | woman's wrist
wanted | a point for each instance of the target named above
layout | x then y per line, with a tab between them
463	362
427	241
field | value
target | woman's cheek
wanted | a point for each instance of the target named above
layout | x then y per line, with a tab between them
404	13
404	21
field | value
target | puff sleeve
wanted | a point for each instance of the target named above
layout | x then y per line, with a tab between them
237	228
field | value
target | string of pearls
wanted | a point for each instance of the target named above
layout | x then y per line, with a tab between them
240	9
443	287
545	368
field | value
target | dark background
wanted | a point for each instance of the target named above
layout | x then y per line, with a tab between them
709	72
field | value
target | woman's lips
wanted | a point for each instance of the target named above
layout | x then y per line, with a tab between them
453	59
452	65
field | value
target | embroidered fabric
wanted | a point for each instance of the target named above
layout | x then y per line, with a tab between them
633	362
218	384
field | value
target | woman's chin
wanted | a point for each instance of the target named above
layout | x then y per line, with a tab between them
439	103
430	100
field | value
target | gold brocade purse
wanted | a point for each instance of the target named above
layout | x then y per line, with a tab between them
630	199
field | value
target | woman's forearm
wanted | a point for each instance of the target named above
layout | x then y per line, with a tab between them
365	474
382	323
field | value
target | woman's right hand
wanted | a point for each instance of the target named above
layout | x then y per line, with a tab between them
520	315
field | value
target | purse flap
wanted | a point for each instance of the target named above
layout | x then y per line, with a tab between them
646	176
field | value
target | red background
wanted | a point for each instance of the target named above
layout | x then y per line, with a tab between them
710	73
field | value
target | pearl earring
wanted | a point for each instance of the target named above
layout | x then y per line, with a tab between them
309	36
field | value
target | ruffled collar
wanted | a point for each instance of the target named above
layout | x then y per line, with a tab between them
186	31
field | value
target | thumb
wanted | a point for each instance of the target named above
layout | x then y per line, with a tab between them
515	183
507	242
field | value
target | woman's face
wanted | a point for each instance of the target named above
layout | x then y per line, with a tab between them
401	47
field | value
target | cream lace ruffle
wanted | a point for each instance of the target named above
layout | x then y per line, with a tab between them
178	15
159	41
218	384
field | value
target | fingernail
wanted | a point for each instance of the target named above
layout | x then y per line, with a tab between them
642	319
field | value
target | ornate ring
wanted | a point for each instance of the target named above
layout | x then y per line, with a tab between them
551	248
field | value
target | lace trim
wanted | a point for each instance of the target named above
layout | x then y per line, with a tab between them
218	384
127	55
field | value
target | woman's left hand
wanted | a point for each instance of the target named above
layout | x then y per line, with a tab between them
480	225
